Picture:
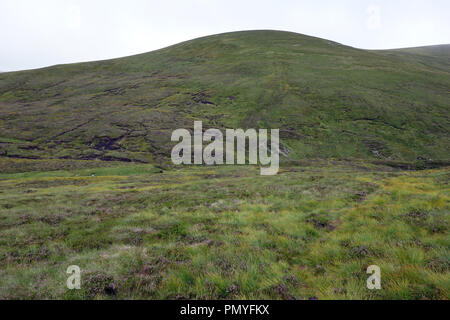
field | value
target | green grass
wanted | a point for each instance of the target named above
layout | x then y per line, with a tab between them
85	175
226	232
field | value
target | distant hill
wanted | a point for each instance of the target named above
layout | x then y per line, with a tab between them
437	51
329	100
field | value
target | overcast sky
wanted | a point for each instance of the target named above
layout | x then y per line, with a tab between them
47	32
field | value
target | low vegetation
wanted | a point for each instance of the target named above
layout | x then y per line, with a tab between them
138	231
85	174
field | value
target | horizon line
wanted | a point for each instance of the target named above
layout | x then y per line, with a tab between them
217	34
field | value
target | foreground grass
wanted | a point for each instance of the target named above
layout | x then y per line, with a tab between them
225	232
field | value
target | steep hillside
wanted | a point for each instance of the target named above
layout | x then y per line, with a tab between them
329	100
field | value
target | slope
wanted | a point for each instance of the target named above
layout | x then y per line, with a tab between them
329	100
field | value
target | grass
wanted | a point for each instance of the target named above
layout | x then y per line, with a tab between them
225	232
328	100
85	179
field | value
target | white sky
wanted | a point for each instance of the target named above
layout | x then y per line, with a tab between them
47	32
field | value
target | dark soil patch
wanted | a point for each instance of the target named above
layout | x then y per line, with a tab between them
99	284
360	252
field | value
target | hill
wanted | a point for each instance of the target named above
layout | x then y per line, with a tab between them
329	100
138	231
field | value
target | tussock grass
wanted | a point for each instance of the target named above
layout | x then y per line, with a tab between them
225	232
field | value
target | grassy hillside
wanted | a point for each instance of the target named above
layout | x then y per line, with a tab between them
328	100
350	121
